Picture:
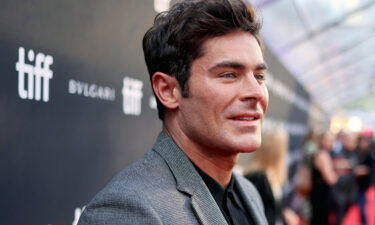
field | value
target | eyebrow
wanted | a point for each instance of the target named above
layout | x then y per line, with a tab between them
261	66
236	65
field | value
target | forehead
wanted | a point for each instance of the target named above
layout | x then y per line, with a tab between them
238	46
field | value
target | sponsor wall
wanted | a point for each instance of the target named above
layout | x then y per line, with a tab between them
76	105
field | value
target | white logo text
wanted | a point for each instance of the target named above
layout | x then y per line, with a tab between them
36	76
91	90
132	95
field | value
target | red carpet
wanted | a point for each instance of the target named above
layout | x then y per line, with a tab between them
353	215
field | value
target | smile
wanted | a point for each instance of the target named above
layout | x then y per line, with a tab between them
246	117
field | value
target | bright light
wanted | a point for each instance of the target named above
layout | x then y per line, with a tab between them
338	123
354	124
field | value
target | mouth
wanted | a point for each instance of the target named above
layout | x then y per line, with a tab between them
246	117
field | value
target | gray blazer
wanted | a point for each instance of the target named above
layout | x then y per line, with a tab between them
163	188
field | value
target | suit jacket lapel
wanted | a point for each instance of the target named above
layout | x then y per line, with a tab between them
206	209
189	181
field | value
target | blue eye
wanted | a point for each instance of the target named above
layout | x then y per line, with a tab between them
228	75
260	76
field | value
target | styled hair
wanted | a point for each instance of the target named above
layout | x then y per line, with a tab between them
176	37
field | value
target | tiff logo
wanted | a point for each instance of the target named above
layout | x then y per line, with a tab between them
132	95
32	78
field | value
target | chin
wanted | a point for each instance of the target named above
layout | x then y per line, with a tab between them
249	144
249	147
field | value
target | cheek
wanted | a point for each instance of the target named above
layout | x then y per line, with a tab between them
212	98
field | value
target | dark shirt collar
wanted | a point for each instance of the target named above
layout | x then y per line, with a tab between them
228	199
219	192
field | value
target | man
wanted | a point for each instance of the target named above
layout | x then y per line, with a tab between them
207	72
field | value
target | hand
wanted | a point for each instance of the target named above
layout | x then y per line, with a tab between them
291	218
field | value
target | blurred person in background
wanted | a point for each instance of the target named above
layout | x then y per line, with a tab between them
347	158
364	168
267	170
324	177
345	164
352	166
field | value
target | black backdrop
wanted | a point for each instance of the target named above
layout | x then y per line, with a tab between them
56	154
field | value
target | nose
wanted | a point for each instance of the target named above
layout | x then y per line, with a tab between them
253	89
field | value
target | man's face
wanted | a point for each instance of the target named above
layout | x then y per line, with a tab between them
227	96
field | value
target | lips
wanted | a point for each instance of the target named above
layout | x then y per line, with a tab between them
246	117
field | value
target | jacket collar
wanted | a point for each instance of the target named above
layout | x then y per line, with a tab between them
188	180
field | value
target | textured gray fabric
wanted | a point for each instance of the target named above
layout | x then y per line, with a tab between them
163	188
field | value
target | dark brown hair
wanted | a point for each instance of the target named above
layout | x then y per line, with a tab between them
175	39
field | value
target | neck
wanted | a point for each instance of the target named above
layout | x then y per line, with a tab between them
220	169
217	165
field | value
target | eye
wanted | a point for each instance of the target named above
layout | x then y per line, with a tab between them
260	77
228	75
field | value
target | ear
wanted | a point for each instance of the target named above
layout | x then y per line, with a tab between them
166	89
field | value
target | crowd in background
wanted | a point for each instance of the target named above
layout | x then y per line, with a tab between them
342	170
334	173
